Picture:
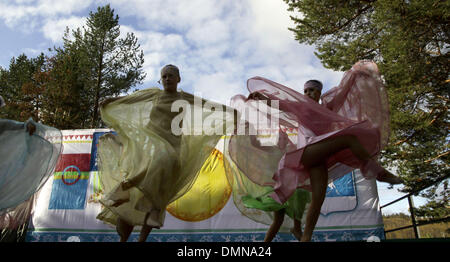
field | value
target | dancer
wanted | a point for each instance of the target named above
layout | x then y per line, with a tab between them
347	131
28	155
150	163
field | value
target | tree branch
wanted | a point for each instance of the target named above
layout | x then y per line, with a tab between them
360	12
443	154
415	132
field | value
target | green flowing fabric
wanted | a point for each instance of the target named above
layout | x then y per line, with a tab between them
252	199
151	154
294	207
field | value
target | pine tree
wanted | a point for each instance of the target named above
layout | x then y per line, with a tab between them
21	88
107	65
64	106
409	40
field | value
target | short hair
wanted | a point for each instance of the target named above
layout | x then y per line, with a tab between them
313	84
172	66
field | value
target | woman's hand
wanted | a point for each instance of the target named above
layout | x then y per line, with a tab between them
257	96
31	128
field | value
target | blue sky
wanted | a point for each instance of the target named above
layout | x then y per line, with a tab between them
216	44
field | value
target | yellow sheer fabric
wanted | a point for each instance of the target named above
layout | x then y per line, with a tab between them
207	196
152	155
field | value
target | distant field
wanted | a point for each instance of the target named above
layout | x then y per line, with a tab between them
439	230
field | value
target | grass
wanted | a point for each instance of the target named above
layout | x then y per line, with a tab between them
438	230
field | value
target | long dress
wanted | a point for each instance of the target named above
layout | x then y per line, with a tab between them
161	164
26	162
357	106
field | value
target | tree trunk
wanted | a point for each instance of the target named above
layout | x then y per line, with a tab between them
97	88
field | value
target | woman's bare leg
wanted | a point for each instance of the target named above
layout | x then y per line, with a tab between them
297	230
124	229
313	157
145	231
315	154
276	224
319	182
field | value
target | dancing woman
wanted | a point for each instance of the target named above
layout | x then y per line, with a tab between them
149	163
348	130
29	152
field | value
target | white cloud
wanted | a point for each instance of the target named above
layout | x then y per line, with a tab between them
218	87
31	51
170	14
159	49
269	23
22	13
24	1
53	29
55	7
12	14
212	33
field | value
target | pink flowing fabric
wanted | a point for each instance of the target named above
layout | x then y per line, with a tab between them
357	106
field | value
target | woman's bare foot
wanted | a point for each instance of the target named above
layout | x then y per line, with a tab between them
297	234
145	231
124	229
371	168
390	178
305	239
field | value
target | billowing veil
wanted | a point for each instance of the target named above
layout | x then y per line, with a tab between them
26	162
160	164
357	106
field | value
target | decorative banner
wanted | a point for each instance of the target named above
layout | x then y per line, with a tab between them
70	182
94	160
341	195
344	186
95	195
67	205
